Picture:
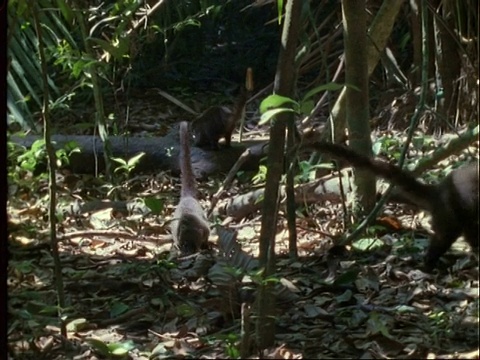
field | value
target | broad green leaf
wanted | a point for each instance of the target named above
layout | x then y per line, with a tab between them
325	87
118	308
185	310
367	244
275	101
121	348
77	325
118	50
306	107
345	297
155	205
135	159
269	114
378	324
347	277
120	161
66	10
99	346
376	148
279	9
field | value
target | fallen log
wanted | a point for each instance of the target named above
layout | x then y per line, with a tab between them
161	153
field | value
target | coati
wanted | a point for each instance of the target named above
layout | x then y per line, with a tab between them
452	203
190	228
219	121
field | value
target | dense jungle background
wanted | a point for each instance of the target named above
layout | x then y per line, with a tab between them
96	90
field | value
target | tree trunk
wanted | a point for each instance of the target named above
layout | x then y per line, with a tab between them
447	60
284	85
416	31
356	71
379	33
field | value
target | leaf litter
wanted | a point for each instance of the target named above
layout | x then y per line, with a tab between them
128	299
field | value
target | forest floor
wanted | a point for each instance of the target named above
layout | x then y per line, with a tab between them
128	298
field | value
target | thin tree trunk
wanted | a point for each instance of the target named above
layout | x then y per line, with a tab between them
358	116
284	85
447	59
378	35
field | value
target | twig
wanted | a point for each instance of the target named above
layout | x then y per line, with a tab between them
110	234
176	102
229	179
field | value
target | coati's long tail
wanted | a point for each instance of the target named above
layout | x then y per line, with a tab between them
189	187
417	192
238	110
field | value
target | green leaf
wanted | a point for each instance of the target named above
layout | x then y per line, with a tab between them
77	324
99	346
306	107
50	310
159	352
275	101
72	147
117	51
378	324
418	142
155	205
135	159
121	349
347	277
279	9
120	161
367	244
185	310
325	87
376	148
118	308
66	10
345	297
269	114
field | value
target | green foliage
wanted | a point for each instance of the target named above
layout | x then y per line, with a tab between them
129	41
259	278
63	155
32	158
308	171
388	145
127	166
24	79
367	244
274	104
70	63
155	205
279	11
35	157
423	142
117	350
230	344
185	310
378	324
118	308
260	176
440	324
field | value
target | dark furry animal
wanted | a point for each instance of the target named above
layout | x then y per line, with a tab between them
190	228
452	203
218	122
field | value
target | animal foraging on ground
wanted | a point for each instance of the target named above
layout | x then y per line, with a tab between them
452	203
190	228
